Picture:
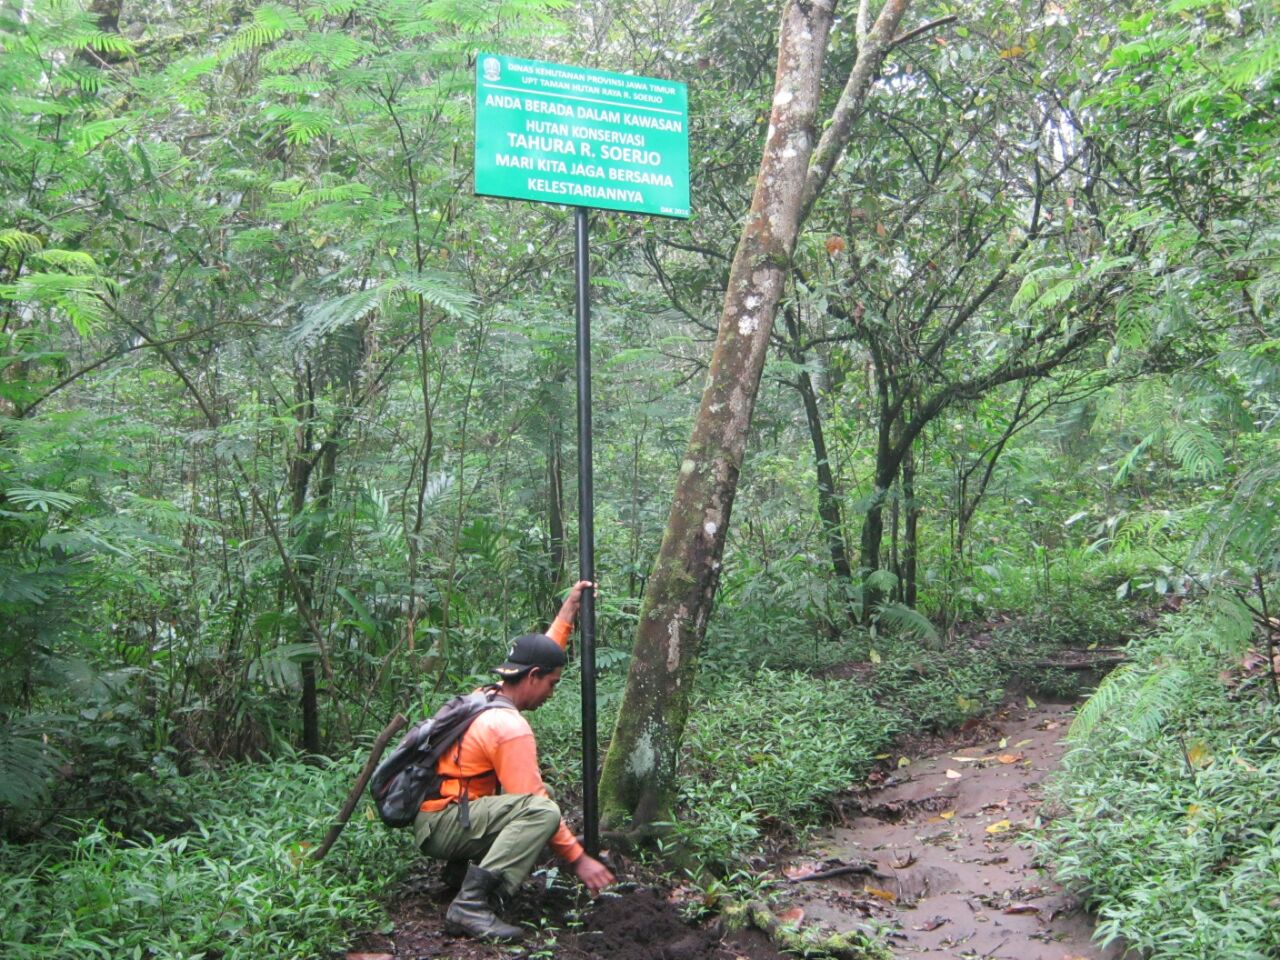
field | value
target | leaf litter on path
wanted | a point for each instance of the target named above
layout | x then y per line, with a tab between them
945	834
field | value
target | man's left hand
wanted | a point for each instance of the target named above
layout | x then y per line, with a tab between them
569	609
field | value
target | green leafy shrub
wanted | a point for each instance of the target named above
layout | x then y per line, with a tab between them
237	885
1172	827
930	690
770	752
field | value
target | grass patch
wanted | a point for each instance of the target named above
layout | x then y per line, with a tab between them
237	885
1172	828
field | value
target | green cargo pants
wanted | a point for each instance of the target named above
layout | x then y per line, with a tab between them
507	833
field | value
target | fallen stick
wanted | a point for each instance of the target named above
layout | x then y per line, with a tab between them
842	871
395	726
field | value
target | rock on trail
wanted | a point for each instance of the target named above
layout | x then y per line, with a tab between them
942	839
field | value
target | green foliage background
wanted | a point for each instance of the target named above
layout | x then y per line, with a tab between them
287	427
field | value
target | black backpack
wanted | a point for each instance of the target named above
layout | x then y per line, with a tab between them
408	776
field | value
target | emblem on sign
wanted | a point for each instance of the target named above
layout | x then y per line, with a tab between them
492	69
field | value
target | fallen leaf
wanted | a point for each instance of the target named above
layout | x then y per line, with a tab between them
882	756
967	759
1022	743
947	814
798	871
1004	742
1009	757
1031	704
873	655
1053	725
953	774
1198	754
903	762
1016	908
933	924
834	244
1000	826
794	915
882	894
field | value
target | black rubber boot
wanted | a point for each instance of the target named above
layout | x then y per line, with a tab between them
472	913
453	873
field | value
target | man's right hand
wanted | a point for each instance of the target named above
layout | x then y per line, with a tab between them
595	876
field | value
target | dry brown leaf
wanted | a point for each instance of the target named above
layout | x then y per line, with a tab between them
798	871
882	894
1009	757
1022	743
794	915
1016	908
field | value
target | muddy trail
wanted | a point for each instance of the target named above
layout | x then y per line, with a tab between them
929	853
935	854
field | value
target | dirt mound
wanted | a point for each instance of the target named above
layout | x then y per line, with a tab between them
638	923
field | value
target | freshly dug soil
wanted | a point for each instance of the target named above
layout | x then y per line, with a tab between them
638	923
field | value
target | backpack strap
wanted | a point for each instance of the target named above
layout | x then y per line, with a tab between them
496	701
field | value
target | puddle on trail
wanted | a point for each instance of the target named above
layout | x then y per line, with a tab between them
941	838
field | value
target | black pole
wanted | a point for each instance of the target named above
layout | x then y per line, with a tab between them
586	537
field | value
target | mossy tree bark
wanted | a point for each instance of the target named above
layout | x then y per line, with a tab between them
638	779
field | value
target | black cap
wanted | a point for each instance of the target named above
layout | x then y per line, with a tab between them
531	650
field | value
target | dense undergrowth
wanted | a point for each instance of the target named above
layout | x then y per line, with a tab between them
1172	828
777	728
237	884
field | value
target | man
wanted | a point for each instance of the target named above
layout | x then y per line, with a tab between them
494	814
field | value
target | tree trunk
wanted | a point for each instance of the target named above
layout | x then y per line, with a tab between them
828	500
638	780
910	545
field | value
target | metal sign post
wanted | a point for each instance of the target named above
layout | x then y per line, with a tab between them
553	133
586	535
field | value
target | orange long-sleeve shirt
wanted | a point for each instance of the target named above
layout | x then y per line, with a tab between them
498	752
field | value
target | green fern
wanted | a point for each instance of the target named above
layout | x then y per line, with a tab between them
27	762
1197	450
270	23
901	619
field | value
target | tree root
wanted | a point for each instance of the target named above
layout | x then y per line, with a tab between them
790	938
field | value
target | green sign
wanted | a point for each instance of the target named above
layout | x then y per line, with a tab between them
560	134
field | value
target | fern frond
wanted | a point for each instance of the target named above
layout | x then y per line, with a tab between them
903	620
26	764
1033	286
331	49
19	241
270	23
301	124
440	292
1116	687
1128	461
1197	450
327	317
287	84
